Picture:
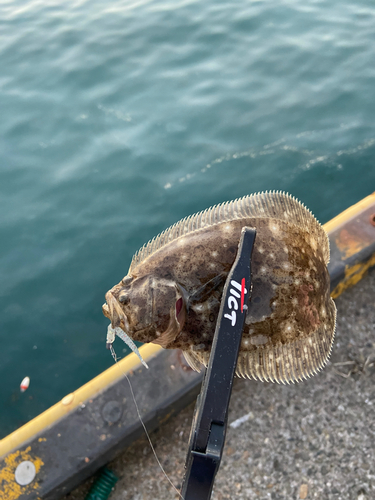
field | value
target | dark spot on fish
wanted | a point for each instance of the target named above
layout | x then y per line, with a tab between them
212	318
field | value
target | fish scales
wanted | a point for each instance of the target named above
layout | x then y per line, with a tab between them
171	294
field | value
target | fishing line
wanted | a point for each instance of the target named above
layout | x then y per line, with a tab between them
143	425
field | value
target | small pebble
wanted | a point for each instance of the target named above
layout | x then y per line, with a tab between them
303	491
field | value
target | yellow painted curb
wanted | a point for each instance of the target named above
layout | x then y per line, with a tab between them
353	274
349	213
76	398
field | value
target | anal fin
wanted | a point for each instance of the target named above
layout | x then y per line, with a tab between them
193	360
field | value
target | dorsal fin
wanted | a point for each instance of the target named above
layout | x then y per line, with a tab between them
275	204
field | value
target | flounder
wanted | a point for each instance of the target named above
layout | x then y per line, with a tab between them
171	294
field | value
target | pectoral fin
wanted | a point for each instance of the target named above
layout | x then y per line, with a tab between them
204	292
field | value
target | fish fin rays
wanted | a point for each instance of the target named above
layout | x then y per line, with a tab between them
205	291
275	204
283	364
193	360
291	362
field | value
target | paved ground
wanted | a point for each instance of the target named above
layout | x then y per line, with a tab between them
313	440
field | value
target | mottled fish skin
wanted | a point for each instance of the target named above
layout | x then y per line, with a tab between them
171	295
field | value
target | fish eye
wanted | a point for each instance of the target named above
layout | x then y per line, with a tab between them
124	298
179	304
127	280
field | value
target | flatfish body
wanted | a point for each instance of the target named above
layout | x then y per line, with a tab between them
171	294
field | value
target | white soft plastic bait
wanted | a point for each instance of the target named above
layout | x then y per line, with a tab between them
111	335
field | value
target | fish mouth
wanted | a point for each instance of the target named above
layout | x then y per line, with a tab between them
105	310
113	311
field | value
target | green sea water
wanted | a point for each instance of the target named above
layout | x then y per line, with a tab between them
118	118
